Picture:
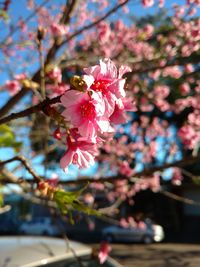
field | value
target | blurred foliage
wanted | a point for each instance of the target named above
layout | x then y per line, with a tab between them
4	15
69	202
7	138
1	199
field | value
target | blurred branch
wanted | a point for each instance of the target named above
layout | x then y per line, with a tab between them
113	209
16	28
69	10
195	58
145	174
39	107
26	165
180	199
56	46
40	36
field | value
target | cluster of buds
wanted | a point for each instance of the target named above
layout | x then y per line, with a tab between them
46	189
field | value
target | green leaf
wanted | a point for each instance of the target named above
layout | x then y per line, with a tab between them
7	138
5	128
4	15
1	198
68	202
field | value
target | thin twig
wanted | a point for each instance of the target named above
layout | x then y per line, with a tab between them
178	61
42	68
22	159
16	28
180	199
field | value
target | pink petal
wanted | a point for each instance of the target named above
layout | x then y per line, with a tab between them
117	88
72	97
122	70
87	129
108	69
66	160
89	79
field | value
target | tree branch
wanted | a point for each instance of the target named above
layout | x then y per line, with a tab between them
194	58
147	173
69	10
39	107
179	198
36	177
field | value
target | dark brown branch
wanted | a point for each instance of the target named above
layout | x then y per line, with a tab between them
147	173
39	107
68	12
180	199
37	178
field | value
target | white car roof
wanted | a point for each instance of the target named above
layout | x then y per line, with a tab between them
31	251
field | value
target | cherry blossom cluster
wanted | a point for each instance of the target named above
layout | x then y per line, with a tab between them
54	85
91	109
149	3
130	222
190	132
126	191
13	86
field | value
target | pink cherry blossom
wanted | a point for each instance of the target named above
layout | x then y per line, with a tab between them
147	3
59	29
148	29
55	74
161	3
184	88
57	89
88	198
189	136
119	115
123	223
106	79
105	248
81	153
124	169
20	77
161	91
177	176
174	72
85	112
12	86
